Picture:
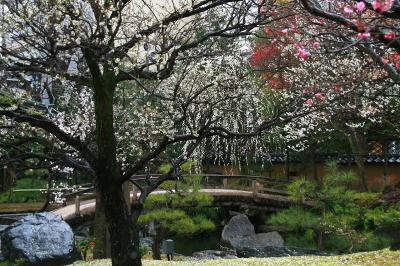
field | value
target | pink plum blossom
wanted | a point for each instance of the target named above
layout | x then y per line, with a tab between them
263	9
315	44
387	5
285	30
338	88
390	36
348	9
382	5
267	30
303	53
360	6
364	34
376	5
309	102
319	96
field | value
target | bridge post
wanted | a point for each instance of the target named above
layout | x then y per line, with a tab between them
134	193
225	182
254	186
77	206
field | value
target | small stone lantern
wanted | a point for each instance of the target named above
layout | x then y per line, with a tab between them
168	248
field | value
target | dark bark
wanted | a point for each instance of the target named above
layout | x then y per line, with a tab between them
136	210
102	247
48	193
118	224
376	32
156	247
360	151
386	183
39	121
319	241
6	179
106	167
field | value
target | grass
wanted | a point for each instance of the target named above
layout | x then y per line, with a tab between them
23	197
19	262
374	258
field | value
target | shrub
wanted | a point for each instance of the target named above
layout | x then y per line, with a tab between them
339	219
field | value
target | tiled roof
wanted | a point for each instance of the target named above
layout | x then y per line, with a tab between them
344	158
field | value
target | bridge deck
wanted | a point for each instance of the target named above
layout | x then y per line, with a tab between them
226	196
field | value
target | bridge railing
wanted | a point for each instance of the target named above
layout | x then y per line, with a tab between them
253	183
256	184
68	190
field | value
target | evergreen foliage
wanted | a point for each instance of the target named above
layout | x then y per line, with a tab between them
172	212
340	218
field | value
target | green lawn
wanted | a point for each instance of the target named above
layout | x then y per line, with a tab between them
23	197
375	258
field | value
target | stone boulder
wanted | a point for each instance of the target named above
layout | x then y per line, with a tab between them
261	240
214	255
239	233
42	239
2	228
237	228
271	251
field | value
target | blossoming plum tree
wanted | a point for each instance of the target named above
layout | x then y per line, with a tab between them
129	81
369	25
343	76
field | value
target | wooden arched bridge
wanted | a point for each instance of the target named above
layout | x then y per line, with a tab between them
259	192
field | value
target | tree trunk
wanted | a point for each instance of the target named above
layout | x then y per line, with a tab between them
102	247
314	165
6	178
385	177
136	210
108	172
118	224
156	247
361	150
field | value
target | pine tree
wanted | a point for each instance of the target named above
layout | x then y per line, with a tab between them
172	211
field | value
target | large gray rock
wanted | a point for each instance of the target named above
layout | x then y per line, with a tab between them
2	228
42	238
237	228
260	240
240	233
